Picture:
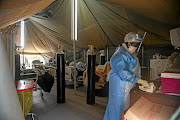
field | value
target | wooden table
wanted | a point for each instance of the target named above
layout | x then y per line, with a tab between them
159	98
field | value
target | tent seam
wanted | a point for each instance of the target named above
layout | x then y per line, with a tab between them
131	21
99	24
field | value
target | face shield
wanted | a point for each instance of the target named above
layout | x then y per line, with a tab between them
134	39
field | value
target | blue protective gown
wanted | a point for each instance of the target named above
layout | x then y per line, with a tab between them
120	77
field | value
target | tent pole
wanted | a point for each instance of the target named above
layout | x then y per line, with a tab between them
11	50
84	50
7	45
74	34
12	54
74	47
107	53
23	60
65	55
142	55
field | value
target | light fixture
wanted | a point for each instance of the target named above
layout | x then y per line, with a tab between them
22	34
74	20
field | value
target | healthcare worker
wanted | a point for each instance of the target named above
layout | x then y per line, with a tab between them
125	72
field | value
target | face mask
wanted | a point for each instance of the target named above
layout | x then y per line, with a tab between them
132	49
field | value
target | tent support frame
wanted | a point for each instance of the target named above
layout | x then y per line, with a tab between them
74	49
107	53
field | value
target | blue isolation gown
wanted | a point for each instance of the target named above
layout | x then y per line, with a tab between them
125	71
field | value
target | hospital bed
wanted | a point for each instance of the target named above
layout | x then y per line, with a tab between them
69	74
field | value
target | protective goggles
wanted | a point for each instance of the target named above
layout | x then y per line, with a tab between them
135	44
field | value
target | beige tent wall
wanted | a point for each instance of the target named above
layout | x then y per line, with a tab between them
8	43
12	11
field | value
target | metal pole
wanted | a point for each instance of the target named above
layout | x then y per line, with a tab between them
74	34
107	53
84	50
23	60
7	46
11	50
9	101
141	42
13	55
74	49
142	55
65	55
17	67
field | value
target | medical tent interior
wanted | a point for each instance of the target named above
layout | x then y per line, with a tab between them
101	23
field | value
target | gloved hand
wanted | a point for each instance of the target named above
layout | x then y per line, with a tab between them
143	83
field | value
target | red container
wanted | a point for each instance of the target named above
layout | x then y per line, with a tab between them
170	82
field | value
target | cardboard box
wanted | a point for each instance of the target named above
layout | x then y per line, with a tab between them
143	109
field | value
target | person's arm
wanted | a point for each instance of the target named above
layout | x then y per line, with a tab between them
120	65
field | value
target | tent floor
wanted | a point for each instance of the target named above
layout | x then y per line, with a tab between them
75	108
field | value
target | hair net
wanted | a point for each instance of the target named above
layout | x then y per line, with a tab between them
132	37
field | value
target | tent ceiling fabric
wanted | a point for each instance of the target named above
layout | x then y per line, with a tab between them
156	17
166	11
58	26
101	23
12	11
